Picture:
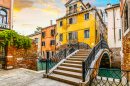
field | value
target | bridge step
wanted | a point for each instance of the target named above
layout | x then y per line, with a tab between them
76	59
73	62
70	80
80	55
71	65
84	57
68	73
79	70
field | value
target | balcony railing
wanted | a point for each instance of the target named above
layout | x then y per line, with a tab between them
4	26
72	11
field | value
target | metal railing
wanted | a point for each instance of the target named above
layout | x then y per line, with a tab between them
4	25
108	77
91	57
74	10
63	53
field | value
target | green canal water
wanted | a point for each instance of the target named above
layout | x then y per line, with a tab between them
110	73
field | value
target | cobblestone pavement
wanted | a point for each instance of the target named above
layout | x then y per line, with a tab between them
24	77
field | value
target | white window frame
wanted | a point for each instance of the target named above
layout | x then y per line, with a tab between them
89	34
84	16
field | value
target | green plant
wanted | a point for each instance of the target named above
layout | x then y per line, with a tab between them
112	57
13	38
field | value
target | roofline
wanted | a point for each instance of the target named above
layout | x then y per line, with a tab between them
48	26
76	13
34	34
116	5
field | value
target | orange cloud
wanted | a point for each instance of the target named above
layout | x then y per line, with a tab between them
50	10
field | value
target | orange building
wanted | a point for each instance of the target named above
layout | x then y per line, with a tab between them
48	41
6	14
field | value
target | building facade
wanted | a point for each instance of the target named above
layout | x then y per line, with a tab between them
6	14
114	25
37	38
82	23
125	49
48	39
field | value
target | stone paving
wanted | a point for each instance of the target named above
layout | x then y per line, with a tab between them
25	77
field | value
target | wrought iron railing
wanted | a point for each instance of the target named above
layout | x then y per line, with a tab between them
108	77
63	53
74	10
91	57
4	26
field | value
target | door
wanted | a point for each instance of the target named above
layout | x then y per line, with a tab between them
2	56
48	55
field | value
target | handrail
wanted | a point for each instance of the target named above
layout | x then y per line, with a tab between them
62	54
87	62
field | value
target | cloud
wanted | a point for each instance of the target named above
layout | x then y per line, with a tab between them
50	10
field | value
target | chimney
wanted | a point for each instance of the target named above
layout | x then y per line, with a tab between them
108	5
51	22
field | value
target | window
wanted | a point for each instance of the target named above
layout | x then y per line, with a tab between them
43	43
75	6
61	23
70	21
86	34
126	22
119	33
43	34
52	42
52	32
73	36
61	37
3	16
52	53
42	53
86	16
96	34
70	8
36	39
70	36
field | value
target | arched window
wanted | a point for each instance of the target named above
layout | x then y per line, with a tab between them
3	16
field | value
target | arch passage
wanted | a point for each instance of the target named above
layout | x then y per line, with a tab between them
105	61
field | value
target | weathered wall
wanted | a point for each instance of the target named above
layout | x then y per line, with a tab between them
21	58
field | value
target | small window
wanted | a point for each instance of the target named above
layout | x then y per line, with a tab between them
119	33
70	21
43	34
52	42
61	37
52	32
52	53
86	16
70	36
43	43
86	34
96	34
61	23
42	53
75	6
70	8
36	39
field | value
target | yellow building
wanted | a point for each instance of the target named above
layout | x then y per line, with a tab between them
84	24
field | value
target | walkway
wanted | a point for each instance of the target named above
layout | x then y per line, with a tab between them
24	77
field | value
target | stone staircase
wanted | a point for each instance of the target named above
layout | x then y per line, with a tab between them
71	70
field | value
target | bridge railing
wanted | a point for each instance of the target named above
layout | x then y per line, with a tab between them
91	57
63	53
109	77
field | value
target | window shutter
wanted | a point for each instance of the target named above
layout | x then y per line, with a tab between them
74	19
54	31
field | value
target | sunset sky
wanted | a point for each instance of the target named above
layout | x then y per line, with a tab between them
28	14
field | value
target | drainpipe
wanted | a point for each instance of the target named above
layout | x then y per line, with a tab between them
114	27
95	27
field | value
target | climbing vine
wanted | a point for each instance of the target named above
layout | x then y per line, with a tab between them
13	38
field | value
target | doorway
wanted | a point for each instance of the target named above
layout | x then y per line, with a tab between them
47	54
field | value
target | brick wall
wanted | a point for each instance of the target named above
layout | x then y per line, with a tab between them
22	58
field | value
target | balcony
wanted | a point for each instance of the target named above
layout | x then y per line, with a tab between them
4	26
75	10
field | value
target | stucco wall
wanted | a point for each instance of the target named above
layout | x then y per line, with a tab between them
110	20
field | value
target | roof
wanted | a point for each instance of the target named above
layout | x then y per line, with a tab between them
34	34
48	26
113	6
89	9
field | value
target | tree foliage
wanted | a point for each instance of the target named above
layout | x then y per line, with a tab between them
13	38
38	29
